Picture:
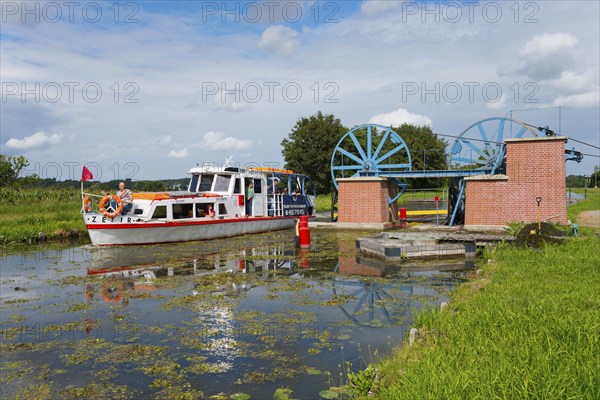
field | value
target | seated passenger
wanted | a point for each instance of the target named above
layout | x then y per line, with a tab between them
126	197
210	213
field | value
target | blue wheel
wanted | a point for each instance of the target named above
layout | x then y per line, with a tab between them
481	146
369	150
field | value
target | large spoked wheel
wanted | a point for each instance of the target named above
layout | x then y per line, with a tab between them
369	150
481	145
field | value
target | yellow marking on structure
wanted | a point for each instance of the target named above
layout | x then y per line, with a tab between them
426	212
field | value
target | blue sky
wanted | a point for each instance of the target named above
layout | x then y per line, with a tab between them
148	89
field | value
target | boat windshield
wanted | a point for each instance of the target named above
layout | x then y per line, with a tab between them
194	183
206	181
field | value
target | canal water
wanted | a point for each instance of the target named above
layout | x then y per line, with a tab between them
235	317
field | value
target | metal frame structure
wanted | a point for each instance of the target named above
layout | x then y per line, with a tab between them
479	149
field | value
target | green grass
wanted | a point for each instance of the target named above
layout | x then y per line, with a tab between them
323	202
422	195
527	326
26	212
592	202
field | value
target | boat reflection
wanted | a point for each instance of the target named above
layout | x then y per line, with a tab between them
132	270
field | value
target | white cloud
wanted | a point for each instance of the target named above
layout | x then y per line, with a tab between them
279	39
399	117
374	7
498	105
162	140
181	153
572	82
548	44
218	141
582	100
543	57
38	139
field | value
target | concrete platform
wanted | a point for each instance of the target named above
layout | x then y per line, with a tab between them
405	245
411	245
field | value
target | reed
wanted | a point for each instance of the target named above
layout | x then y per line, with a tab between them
24	213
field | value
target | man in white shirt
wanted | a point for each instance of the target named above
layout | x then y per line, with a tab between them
126	197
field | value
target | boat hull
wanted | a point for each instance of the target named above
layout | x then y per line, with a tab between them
138	233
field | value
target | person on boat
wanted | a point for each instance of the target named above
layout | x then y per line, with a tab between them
126	197
249	198
210	212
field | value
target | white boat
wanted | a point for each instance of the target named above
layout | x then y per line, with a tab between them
280	196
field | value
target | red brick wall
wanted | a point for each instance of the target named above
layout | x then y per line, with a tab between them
534	167
363	200
348	264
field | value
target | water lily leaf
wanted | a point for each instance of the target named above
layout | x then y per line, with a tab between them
240	396
328	394
283	394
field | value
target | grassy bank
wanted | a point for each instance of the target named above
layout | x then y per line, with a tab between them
27	212
591	202
527	326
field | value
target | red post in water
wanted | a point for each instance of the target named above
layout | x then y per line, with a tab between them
304	258
403	217
304	232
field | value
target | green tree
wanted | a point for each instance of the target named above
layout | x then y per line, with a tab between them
309	146
149	186
10	168
575	181
427	151
595	177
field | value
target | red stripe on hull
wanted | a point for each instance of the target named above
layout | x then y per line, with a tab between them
170	224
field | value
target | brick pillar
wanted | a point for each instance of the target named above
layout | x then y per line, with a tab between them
363	200
535	167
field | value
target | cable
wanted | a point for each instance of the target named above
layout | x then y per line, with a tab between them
470	139
489	141
587	144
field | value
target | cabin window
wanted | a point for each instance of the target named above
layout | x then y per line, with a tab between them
194	183
222	209
160	212
184	210
222	183
206	181
237	188
258	186
202	209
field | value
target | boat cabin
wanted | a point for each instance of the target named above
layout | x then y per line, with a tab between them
222	193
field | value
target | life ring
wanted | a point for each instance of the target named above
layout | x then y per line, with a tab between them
103	206
87	203
112	292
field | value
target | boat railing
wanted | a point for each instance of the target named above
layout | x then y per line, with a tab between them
275	205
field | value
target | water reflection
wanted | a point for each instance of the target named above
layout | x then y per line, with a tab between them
248	316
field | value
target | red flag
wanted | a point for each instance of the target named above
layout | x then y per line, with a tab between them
86	174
